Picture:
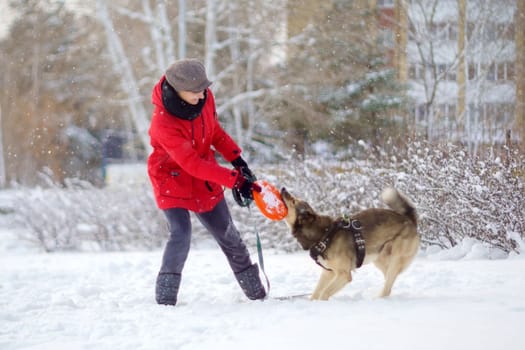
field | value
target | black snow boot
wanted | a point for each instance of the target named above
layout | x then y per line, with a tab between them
251	283
167	288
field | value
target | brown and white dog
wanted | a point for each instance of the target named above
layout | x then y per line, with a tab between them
390	240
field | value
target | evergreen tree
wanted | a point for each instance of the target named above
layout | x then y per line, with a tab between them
349	90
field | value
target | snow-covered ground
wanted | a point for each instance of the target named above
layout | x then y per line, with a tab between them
446	300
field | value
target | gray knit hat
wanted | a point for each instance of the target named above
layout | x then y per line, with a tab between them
187	75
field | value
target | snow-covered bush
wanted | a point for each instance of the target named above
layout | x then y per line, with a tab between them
457	197
80	216
461	197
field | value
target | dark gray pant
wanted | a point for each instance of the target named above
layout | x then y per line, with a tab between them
219	223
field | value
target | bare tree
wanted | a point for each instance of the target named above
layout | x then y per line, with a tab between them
182	28
457	50
520	70
128	82
490	55
234	46
2	161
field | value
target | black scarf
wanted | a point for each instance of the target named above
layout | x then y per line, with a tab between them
177	106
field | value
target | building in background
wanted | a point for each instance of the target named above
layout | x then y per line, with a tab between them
463	61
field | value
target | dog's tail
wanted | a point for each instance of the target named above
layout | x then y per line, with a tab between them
399	203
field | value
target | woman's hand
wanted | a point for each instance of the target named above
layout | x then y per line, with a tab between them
246	186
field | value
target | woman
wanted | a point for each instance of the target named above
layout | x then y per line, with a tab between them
185	134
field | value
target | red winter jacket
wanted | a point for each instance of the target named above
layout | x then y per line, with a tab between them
182	167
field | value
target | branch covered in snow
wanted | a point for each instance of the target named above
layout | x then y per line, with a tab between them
457	197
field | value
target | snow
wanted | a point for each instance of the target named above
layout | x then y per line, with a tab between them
454	299
126	174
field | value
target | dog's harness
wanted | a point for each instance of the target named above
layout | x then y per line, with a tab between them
351	225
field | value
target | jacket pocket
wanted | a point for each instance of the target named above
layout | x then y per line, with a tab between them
177	184
213	189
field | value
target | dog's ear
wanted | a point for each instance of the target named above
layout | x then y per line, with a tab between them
305	214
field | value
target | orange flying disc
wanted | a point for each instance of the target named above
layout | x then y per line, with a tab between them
269	201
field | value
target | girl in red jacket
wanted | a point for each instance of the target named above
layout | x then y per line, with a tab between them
185	135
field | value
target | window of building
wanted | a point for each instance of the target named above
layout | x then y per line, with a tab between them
436	30
472	71
509	33
414	71
491	32
444	31
452	112
501	70
446	72
498	113
411	28
440	111
387	37
452	32
470	29
445	111
473	112
509	71
492	72
451	74
491	110
441	71
506	31
420	114
385	3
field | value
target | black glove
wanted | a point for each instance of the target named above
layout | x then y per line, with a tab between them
246	186
242	167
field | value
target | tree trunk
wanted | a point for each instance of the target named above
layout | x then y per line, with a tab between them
182	28
520	70
166	31
156	36
235	52
461	72
128	82
211	39
2	161
401	18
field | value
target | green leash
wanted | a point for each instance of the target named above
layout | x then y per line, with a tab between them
245	202
261	257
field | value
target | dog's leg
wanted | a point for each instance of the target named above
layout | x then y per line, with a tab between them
383	263
391	274
396	257
340	280
324	280
391	268
395	267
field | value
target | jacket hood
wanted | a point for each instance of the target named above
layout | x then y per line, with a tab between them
156	94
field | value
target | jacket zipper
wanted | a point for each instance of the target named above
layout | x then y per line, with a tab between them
203	136
208	186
